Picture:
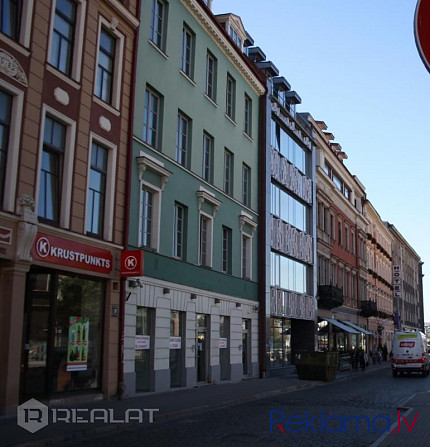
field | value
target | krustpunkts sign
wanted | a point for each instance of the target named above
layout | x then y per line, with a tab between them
67	253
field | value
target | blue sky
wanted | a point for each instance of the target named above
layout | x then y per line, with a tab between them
356	66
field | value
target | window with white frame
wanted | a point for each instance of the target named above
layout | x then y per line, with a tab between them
207	157
54	146
158	24
246	185
146	231
105	66
248	116
179	230
15	20
187	53
10	18
182	139
110	56
151	118
205	240
211	69
11	112
6	101
230	97
228	172
97	190
63	36
246	256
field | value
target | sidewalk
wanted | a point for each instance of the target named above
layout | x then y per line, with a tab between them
171	404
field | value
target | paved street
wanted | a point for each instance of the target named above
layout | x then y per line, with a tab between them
375	396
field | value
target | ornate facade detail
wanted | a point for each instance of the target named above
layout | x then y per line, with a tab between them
27	228
290	241
291	304
12	68
290	177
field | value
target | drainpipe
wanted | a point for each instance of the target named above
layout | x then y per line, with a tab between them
121	385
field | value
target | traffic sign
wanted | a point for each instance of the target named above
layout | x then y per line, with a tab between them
422	31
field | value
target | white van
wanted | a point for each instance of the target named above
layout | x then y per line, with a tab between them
410	353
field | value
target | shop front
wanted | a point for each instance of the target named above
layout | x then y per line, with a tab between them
64	319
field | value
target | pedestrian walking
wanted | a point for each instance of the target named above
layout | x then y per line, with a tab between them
362	361
355	359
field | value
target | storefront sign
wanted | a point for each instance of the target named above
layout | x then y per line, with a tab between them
77	350
142	342
175	342
71	254
222	343
5	236
132	263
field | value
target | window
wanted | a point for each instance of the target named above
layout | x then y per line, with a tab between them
228	172
158	20
105	68
332	227
205	241
346	238
207	159
246	185
97	190
146	235
187	51
211	76
5	125
182	139
151	118
236	39
63	36
54	142
179	228
226	249
230	97
339	233
248	115
246	256
10	18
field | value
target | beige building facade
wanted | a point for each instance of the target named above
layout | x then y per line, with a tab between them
65	87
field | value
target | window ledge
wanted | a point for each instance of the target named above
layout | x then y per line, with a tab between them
248	136
230	119
63	77
158	49
210	100
107	106
15	45
187	77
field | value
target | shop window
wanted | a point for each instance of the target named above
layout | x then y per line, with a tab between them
143	348
280	342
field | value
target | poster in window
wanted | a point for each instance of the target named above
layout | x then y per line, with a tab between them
77	350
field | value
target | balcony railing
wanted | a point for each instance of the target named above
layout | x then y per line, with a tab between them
329	297
368	309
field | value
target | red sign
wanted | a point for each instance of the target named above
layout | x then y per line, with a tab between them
132	263
422	31
71	254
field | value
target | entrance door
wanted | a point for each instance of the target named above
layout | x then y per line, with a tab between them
246	346
202	348
224	347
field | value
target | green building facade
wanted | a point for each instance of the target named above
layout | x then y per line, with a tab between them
193	315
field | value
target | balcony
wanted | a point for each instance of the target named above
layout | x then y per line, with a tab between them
329	297
368	309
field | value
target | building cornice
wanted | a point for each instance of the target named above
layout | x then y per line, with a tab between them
210	25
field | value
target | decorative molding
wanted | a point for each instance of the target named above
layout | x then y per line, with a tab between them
61	96
105	123
227	46
27	228
284	303
145	163
12	68
244	219
205	196
290	177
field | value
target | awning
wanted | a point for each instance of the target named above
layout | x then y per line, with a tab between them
341	325
355	326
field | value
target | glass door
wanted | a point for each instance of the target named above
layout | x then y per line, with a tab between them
202	348
246	346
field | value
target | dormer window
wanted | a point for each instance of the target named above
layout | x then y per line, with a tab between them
236	39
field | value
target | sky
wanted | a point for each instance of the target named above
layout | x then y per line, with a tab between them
356	67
